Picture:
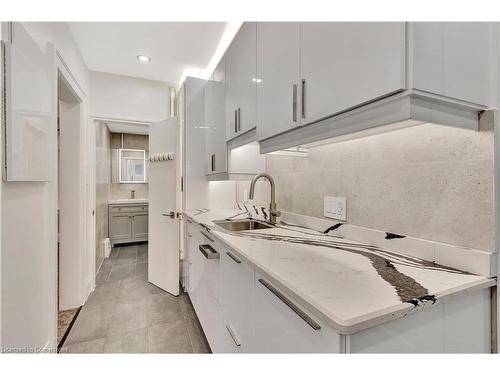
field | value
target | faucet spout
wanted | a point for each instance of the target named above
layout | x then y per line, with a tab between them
273	212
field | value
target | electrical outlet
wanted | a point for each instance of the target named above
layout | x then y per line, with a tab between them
335	208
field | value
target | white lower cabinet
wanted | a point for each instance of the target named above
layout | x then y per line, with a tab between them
237	304
283	326
203	283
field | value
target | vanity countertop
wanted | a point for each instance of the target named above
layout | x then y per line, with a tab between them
349	284
129	201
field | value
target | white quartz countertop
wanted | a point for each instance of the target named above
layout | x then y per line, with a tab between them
129	201
350	285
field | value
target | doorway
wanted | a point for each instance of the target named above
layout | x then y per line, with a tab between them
70	252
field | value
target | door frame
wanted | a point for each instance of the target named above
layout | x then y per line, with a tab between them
64	74
92	186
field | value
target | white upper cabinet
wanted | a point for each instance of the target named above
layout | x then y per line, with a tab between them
345	64
215	124
240	81
277	75
455	59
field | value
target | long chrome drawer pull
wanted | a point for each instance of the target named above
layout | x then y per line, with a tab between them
303	104
291	305
233	335
233	257
209	252
294	103
207	236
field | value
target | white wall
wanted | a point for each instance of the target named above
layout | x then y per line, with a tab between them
28	295
59	34
127	98
429	181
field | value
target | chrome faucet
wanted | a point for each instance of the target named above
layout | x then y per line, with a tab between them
273	212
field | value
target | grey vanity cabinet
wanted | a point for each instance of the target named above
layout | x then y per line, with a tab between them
128	223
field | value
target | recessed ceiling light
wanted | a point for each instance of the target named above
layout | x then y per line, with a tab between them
257	80
143	58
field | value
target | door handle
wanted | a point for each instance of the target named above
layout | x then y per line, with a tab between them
171	214
235	121
303	101
294	103
239	118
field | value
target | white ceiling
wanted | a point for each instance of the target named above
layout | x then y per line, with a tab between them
174	47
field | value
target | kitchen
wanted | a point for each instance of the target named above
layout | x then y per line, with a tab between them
321	187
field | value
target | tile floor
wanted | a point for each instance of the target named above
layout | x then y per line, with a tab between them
64	319
127	314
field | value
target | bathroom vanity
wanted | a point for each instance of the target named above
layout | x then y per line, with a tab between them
128	220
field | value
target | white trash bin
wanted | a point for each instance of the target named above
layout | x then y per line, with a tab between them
107	247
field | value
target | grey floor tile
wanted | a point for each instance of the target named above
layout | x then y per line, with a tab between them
126	260
131	305
129	342
92	346
153	289
126	322
141	269
167	313
128	251
142	257
186	307
196	335
161	300
169	338
103	294
114	252
90	324
133	288
121	272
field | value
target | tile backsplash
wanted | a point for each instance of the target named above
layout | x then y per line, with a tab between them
429	181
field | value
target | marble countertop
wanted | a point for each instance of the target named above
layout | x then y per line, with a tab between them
350	285
129	201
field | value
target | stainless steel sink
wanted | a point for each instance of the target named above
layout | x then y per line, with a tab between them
246	224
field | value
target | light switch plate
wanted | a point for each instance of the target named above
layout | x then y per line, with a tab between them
335	208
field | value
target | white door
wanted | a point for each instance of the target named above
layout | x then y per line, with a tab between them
163	260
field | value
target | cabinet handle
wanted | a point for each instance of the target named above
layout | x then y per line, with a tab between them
209	252
230	255
190	235
233	335
239	118
235	121
294	103
189	221
207	236
213	162
303	104
291	305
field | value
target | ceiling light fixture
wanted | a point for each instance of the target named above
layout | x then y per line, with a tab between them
143	58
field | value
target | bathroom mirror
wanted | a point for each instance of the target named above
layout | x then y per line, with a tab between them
130	166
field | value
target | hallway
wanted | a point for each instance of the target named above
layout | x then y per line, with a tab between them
126	314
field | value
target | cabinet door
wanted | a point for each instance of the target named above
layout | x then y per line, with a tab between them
120	227
237	304
280	329
140	226
215	118
195	266
240	81
277	73
345	64
455	59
